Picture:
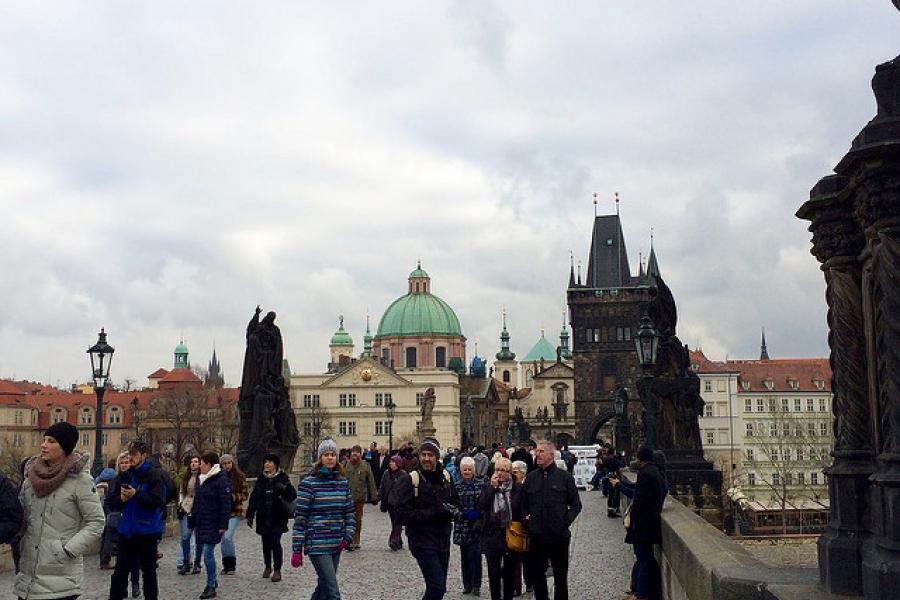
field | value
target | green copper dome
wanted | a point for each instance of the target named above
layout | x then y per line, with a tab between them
418	314
418	272
181	349
341	337
542	350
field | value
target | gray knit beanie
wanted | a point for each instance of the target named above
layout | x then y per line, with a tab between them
326	445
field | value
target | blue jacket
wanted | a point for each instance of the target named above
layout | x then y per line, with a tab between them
325	514
142	515
212	506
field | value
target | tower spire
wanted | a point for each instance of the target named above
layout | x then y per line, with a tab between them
763	350
595	204
564	351
505	353
571	269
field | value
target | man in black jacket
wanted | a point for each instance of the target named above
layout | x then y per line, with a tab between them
10	511
426	504
648	496
551	506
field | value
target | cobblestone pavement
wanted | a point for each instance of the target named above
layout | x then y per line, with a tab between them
599	569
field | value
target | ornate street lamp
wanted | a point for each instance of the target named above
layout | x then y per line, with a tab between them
101	357
389	411
647	343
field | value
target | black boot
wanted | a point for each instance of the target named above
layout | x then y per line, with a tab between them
229	564
208	592
196	568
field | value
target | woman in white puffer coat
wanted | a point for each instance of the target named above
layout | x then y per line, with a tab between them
63	518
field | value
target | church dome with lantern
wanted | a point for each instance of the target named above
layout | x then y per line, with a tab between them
419	329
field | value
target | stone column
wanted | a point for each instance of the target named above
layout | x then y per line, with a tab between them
837	243
873	169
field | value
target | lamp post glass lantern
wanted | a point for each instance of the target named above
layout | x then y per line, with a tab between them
101	355
647	344
389	411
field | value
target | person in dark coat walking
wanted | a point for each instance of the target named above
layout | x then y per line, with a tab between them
648	496
271	493
11	514
501	503
467	530
209	515
552	504
426	504
391	476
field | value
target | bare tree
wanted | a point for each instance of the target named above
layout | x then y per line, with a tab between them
315	424
787	459
11	458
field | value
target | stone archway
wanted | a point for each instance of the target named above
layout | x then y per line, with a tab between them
589	433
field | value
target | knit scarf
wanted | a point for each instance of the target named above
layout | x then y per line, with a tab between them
46	478
501	509
271	475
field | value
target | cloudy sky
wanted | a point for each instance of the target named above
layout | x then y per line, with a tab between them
164	168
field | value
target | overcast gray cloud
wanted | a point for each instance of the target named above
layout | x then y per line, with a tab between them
166	167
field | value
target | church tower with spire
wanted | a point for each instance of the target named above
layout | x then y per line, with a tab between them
181	356
604	314
340	347
505	366
763	350
214	377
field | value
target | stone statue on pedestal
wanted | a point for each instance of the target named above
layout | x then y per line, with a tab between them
267	422
427	428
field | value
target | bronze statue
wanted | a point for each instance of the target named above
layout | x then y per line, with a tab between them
268	423
523	431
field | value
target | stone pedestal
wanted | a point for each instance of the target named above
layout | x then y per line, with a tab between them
694	480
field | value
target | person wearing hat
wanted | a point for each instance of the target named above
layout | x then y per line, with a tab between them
389	480
64	518
325	519
268	506
426	506
648	495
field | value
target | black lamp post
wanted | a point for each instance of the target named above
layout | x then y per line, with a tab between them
389	411
101	356
647	343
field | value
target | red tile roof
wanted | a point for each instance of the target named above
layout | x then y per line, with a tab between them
180	376
8	388
780	372
158	374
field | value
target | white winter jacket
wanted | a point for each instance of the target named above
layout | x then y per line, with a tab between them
67	522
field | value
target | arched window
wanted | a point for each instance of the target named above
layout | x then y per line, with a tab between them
506	376
386	357
58	416
440	357
410	357
114	415
529	378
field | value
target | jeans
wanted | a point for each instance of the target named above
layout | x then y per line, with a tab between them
501	568
646	571
186	536
135	550
228	537
433	565
557	553
326	566
273	554
470	561
209	561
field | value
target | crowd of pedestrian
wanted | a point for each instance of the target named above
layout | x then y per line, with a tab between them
509	510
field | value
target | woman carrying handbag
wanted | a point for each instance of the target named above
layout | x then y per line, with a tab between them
502	505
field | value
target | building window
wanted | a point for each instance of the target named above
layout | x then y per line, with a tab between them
707	385
801	454
386	357
58	415
342	428
776	479
750	453
787	454
745	385
440	357
342	400
307	400
785	405
105	438
760	405
419	397
814	478
751	478
708	410
811	429
114	415
351	399
773	429
506	376
823	428
775	455
410	358
379	399
801	478
307	429
789	478
749	429
797	404
710	437
823	407
748	405
770	385
85	439
351	428
809	405
85	417
795	385
772	405
820	385
19	417
379	427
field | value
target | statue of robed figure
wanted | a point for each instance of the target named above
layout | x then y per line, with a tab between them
268	423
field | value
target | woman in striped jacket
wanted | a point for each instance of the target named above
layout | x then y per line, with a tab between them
324	520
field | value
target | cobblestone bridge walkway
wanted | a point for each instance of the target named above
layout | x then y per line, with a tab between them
599	569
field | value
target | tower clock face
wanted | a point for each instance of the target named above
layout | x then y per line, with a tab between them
366	374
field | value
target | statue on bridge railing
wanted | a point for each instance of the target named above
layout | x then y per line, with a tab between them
267	423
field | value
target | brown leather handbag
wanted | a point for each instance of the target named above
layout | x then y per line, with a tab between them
517	537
